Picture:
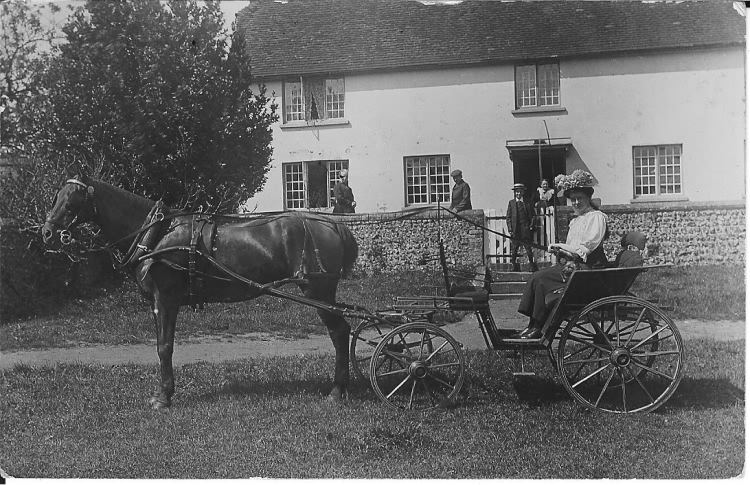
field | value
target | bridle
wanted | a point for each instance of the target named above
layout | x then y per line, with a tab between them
65	236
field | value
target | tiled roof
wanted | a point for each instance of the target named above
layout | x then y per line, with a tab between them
292	37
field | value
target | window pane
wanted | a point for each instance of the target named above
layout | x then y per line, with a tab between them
427	179
549	84
657	162
525	86
335	98
294	108
294	193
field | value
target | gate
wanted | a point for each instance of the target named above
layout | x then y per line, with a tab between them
498	248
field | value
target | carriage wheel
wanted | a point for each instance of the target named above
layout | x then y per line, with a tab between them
365	337
417	366
621	355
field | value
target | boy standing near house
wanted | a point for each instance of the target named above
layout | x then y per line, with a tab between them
461	195
520	225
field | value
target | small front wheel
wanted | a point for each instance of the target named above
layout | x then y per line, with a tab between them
365	337
417	366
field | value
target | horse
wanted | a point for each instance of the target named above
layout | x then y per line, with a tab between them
181	259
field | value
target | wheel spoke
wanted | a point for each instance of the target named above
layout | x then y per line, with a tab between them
580	367
401	384
411	394
393	372
635	325
588	343
441	381
429	393
656	353
624	392
436	351
638	380
657	332
596	372
604	388
587	361
651	369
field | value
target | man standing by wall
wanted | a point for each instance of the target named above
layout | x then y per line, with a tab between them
345	203
461	195
520	224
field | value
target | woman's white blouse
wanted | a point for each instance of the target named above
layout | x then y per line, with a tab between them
545	195
586	233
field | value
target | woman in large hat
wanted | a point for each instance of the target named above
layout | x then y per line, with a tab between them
583	248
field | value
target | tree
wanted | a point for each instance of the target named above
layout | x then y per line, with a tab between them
25	44
150	96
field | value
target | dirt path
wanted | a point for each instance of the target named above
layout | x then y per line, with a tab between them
230	347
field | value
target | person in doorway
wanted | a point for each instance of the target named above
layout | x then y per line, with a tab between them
543	196
519	218
583	249
461	195
343	194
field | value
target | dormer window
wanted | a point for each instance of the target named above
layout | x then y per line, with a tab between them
537	85
313	98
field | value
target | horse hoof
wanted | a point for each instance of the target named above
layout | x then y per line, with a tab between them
158	405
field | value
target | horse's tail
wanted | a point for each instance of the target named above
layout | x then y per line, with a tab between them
351	249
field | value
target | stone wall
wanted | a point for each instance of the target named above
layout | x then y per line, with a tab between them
391	242
681	233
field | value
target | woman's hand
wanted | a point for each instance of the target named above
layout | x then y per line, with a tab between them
560	252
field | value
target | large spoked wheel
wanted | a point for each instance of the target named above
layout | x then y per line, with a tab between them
621	355
365	337
417	366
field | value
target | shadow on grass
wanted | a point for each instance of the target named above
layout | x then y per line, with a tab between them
702	393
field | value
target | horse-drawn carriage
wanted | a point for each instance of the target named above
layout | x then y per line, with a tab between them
613	351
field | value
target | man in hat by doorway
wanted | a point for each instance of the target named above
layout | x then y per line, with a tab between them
520	226
461	195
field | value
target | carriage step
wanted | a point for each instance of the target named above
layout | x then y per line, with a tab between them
505	296
524	374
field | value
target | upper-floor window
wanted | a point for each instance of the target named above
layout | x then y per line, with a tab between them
427	179
537	85
312	98
657	170
309	185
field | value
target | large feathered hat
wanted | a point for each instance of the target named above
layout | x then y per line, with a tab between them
579	179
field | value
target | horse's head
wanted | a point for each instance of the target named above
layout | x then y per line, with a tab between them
73	204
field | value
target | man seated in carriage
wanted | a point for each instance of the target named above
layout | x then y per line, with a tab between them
583	248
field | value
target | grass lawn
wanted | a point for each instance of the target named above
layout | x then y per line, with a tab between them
120	316
266	417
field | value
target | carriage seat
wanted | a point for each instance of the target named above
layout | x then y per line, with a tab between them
632	244
477	288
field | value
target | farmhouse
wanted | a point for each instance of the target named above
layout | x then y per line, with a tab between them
647	96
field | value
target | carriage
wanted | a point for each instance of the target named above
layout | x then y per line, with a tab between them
613	351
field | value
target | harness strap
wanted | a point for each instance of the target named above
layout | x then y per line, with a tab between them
198	223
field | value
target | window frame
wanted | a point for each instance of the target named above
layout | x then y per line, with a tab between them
326	94
539	93
445	169
333	167
664	169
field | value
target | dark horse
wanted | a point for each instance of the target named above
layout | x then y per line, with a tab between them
178	259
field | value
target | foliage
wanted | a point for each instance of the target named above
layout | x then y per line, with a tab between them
149	96
25	44
265	417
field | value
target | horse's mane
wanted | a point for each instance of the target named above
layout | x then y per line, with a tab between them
135	199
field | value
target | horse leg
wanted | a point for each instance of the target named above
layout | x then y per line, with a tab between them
165	306
338	329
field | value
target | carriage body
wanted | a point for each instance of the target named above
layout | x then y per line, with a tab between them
613	351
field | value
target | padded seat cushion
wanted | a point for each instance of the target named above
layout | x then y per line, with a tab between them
477	296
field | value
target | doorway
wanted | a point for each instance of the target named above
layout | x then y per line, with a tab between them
531	165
